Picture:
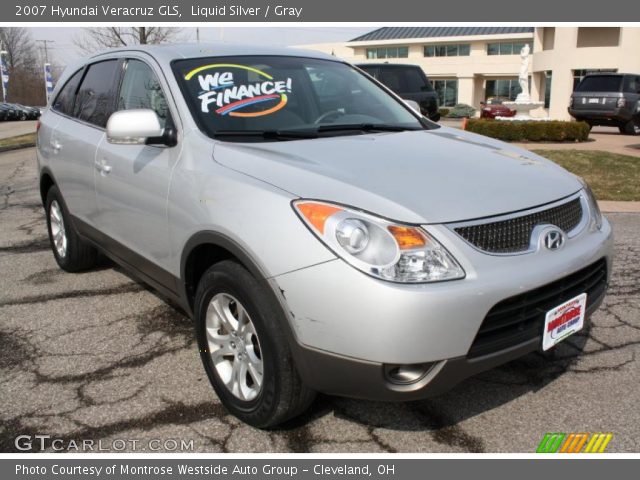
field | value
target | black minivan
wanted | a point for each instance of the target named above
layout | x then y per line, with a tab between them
611	99
409	82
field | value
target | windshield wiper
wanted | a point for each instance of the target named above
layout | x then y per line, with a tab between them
268	134
365	127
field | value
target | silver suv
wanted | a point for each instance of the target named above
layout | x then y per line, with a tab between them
323	235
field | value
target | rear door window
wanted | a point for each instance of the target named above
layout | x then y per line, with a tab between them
600	83
64	101
95	99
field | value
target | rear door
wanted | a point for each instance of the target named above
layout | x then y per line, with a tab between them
132	190
83	116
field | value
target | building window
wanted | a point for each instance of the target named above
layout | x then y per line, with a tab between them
503	88
388	52
548	38
548	77
579	74
447	91
598	37
506	48
458	50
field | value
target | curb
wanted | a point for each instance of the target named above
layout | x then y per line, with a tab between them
20	146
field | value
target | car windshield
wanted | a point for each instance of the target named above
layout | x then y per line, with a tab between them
600	83
262	98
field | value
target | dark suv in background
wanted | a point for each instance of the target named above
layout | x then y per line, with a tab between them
409	82
611	99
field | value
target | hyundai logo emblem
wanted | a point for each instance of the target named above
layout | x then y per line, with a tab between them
554	239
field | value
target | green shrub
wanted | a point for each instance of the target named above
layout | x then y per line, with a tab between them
444	111
462	110
533	131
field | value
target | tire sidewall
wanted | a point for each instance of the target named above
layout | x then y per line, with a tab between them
242	286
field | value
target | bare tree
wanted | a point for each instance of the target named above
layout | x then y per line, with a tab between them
20	47
25	68
99	38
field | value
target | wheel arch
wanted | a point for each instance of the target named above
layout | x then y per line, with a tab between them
204	249
46	182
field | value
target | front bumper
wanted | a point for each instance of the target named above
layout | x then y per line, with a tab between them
349	326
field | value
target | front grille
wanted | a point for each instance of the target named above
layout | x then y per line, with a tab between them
513	235
521	318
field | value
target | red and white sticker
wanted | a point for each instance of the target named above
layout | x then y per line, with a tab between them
563	321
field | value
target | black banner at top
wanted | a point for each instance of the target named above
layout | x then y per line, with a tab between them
175	11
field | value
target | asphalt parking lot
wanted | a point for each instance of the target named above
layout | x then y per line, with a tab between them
99	356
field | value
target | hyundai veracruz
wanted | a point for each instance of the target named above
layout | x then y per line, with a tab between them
322	234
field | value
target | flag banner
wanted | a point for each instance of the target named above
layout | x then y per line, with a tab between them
4	73
48	80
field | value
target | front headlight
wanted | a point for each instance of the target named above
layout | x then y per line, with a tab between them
378	247
594	209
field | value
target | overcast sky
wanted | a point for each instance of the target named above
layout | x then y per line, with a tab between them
62	50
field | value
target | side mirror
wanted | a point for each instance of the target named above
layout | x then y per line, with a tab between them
133	127
413	105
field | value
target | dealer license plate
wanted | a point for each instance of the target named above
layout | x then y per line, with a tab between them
563	321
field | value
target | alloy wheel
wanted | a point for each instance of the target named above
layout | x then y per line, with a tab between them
58	233
234	347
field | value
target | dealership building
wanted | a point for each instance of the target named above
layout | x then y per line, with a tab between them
472	64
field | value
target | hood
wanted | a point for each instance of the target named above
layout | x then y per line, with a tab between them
433	176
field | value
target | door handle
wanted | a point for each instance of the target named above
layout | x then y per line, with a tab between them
55	145
103	168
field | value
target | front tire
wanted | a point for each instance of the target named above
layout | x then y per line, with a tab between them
243	349
72	253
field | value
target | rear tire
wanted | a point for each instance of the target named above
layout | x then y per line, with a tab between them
279	393
72	253
629	128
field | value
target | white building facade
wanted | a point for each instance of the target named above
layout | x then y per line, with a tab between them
471	64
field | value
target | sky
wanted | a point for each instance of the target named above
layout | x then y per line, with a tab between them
62	49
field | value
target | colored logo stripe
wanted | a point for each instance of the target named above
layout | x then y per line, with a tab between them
598	443
574	442
550	443
189	75
248	101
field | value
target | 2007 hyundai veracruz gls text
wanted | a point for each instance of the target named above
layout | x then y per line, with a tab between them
322	234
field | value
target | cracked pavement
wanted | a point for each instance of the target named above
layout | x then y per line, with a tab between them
99	356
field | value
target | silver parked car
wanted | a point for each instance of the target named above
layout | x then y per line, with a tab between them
323	235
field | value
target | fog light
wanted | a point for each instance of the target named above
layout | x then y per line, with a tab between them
406	374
